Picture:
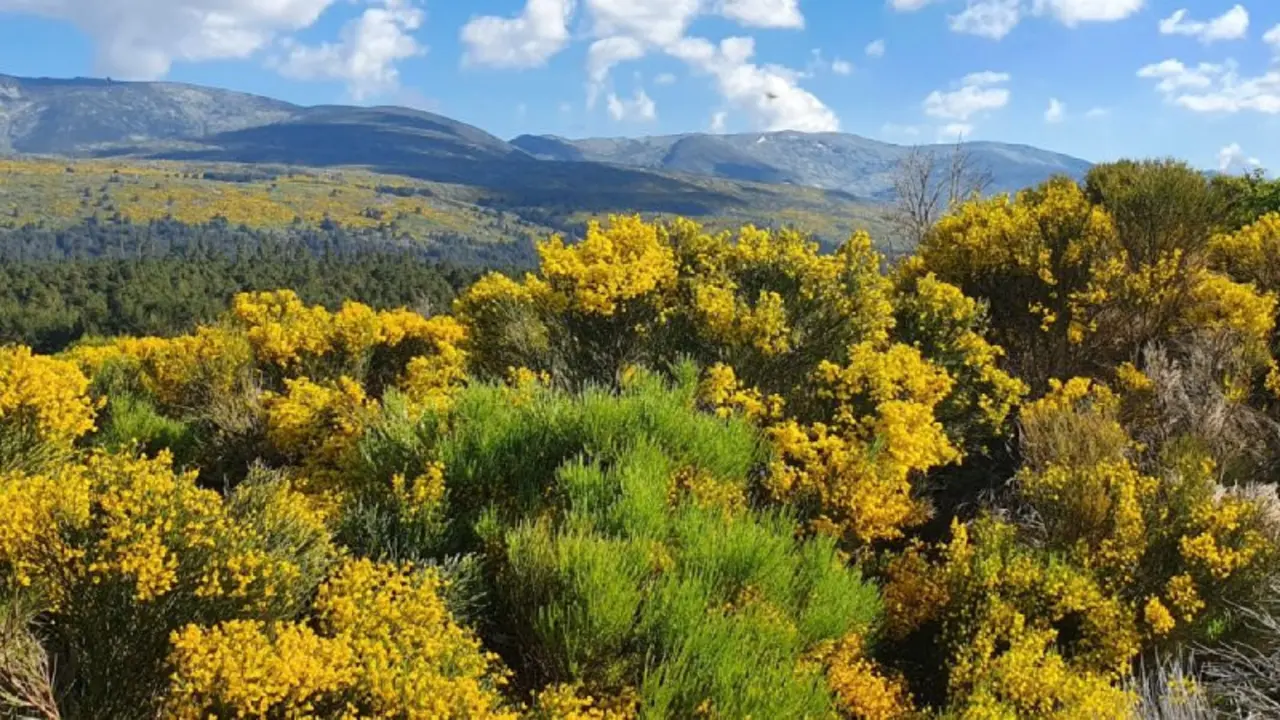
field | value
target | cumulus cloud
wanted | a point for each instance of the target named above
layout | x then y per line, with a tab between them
1097	113
841	67
719	122
1231	25
1215	87
365	55
527	40
627	30
639	108
1272	38
769	94
1233	158
665	79
988	18
654	22
1057	111
1074	12
141	39
763	13
875	49
603	55
908	5
974	94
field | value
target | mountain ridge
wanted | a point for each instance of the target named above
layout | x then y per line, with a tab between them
833	161
829	184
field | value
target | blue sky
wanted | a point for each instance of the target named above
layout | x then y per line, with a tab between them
1100	79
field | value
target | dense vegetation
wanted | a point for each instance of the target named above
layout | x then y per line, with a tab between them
1028	472
166	277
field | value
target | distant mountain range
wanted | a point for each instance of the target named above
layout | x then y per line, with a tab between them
834	161
739	176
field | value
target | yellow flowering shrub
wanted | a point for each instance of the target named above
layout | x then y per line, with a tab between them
283	330
949	328
564	701
44	402
863	690
610	268
413	660
34	509
997	611
1252	254
1169	529
387	647
183	372
1072	294
854	475
318	424
722	392
243	668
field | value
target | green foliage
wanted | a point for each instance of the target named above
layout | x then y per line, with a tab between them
168	278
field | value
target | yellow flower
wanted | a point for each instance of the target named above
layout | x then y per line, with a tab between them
1158	617
43	398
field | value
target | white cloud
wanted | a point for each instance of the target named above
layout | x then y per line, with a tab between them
954	132
974	94
1097	113
1074	12
1272	38
841	67
527	40
875	49
1215	88
655	22
908	5
1057	111
763	13
141	39
719	122
1231	25
988	18
769	94
603	56
638	109
366	53
665	79
1233	158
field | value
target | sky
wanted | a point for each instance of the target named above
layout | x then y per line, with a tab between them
1098	79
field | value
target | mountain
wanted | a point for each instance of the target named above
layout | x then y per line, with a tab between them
833	161
829	184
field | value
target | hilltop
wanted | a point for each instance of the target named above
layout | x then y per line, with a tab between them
829	184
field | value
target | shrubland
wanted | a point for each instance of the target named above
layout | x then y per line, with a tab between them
1027	472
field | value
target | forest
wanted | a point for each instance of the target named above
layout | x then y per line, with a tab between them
1027	469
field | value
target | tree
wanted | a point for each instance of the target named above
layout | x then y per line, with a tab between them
926	185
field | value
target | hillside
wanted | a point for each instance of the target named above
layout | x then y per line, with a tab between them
833	161
138	123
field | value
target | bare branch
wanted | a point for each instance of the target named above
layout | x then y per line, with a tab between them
927	186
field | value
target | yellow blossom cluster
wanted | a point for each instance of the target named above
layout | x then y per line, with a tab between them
610	268
118	519
289	335
1074	296
856	471
43	401
567	702
318	424
862	690
722	391
386	647
1172	529
1252	254
998	611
